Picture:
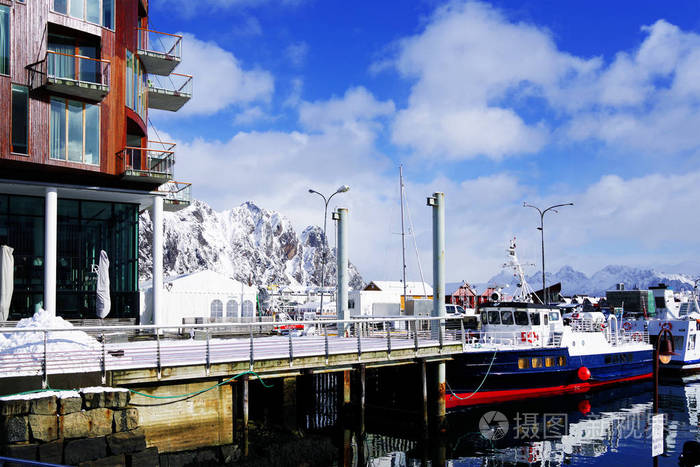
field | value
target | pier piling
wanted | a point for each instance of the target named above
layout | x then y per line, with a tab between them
245	415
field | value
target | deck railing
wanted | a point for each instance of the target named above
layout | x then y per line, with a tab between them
179	192
158	159
161	43
78	69
176	84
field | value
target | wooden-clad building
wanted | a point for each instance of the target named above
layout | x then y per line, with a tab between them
77	163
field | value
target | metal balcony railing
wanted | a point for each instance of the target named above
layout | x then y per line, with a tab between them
74	75
178	194
154	162
169	93
160	52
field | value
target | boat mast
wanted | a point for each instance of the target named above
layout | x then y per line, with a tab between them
403	236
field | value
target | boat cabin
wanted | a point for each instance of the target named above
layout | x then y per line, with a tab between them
520	322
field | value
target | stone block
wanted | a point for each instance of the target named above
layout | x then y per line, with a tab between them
145	458
100	422
21	451
93	400
178	459
73	425
68	405
207	456
126	419
127	442
230	453
81	450
43	427
51	453
117	399
45	405
15	429
14	407
111	461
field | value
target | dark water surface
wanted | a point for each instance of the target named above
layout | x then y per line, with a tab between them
611	427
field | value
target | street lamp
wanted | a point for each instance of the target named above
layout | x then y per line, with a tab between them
341	189
541	229
663	353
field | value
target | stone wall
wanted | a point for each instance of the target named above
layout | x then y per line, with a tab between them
93	426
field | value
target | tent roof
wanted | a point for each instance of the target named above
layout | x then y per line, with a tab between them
412	288
206	281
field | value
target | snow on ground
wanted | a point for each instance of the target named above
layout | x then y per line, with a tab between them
33	342
39	394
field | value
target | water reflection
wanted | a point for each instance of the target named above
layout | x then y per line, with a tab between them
605	428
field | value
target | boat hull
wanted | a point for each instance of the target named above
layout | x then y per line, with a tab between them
486	377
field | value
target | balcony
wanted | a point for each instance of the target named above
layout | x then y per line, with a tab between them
152	164
178	195
73	75
159	52
169	93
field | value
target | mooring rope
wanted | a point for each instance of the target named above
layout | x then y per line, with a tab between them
196	393
480	385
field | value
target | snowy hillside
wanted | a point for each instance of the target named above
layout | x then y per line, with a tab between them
575	282
246	243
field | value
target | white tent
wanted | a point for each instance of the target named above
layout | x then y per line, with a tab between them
7	265
204	295
103	301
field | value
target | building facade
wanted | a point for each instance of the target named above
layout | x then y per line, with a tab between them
77	161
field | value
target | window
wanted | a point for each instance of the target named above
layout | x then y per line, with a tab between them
74	129
523	363
562	361
507	317
554	316
494	317
217	309
545	316
4	40
95	11
535	318
20	114
231	309
351	303
691	342
549	361
521	318
536	362
484	318
135	85
248	308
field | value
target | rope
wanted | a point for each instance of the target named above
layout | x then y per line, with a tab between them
201	391
480	385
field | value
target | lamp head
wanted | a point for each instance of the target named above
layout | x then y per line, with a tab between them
311	191
665	350
343	189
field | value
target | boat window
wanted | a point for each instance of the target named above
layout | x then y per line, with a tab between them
549	361
545	316
461	310
494	317
554	316
562	361
484	318
507	317
536	362
521	318
535	318
691	342
523	363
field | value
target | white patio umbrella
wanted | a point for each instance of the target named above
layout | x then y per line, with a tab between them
7	268
103	300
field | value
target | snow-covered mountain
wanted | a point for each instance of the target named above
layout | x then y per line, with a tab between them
576	282
247	243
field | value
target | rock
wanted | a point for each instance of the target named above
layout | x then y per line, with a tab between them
92	400
100	421
43	405
207	456
86	424
231	453
68	405
14	407
20	451
112	461
43	427
52	452
87	449
15	429
116	399
177	459
145	458
125	420
127	442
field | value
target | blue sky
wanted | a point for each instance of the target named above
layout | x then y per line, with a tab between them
595	103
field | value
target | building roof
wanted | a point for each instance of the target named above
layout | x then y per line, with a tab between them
412	288
205	281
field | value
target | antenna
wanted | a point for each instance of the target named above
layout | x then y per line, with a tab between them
524	292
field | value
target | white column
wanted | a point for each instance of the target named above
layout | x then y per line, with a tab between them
157	219
50	241
341	297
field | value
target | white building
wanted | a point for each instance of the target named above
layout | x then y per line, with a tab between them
207	295
385	298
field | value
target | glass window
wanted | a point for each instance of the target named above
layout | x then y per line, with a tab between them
93	11
691	342
536	362
545	316
248	309
231	309
562	361
20	114
507	317
108	13
523	363
76	8
484	318
494	317
135	85
75	131
217	309
535	318
60	6
4	40
521	318
554	316
549	361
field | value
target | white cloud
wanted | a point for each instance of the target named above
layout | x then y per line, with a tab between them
252	115
296	53
219	80
358	106
294	97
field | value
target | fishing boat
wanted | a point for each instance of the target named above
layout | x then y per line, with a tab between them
525	349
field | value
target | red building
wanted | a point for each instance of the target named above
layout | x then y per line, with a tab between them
77	163
467	297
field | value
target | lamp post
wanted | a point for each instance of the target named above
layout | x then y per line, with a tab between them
341	189
541	229
663	352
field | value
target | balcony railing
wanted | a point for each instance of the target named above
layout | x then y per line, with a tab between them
160	52
152	164
169	93
178	195
75	75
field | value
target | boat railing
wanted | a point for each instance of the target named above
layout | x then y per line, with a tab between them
587	325
633	337
532	338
